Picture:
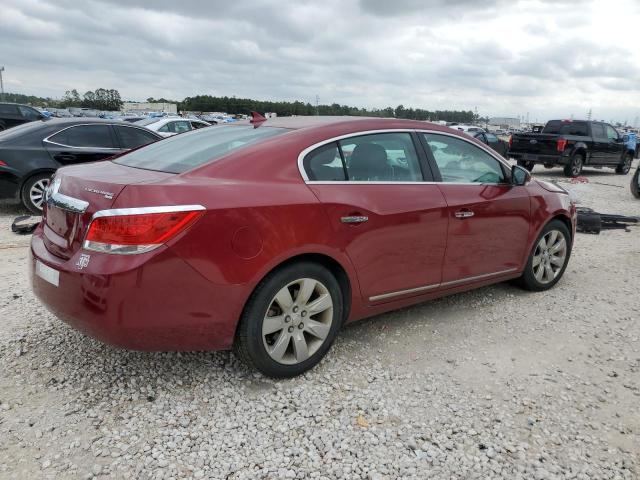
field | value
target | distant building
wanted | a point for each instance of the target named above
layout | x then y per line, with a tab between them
149	107
505	122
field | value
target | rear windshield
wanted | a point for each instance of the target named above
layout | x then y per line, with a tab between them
566	128
186	151
20	130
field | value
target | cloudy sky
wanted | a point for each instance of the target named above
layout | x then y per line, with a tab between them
551	58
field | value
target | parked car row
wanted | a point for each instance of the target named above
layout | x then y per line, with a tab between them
32	152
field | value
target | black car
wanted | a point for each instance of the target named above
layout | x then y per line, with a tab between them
492	141
12	114
31	153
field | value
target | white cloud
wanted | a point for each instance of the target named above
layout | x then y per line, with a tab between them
548	58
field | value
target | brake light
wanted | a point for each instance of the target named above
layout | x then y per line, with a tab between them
138	230
562	143
2	164
510	141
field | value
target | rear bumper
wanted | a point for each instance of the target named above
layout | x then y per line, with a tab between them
153	303
535	158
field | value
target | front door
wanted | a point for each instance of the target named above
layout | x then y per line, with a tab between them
488	217
391	223
615	146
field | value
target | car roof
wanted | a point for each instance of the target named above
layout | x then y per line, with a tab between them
348	122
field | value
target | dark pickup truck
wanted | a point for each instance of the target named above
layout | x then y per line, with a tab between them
572	144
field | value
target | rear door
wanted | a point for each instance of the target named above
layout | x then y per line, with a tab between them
82	143
488	218
391	223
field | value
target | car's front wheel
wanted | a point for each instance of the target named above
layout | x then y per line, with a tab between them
290	321
548	258
33	192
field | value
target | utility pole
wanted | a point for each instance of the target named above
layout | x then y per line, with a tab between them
317	105
589	114
1	84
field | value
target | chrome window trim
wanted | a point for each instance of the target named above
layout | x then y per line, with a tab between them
309	149
113	212
46	139
398	293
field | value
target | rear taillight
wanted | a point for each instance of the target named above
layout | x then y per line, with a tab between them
510	141
138	230
562	143
2	164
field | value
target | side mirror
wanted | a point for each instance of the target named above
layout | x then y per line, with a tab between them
519	175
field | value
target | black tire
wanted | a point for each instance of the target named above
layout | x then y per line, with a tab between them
574	167
635	183
2	127
527	165
28	185
528	280
625	166
249	344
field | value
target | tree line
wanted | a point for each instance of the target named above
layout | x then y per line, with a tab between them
208	103
110	100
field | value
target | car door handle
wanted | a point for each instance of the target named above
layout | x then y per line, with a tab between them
354	219
65	158
464	214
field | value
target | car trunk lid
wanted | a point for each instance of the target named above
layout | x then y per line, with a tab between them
81	191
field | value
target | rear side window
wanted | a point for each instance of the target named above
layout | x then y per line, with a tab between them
383	157
8	109
559	127
180	153
197	125
131	137
598	130
325	164
95	136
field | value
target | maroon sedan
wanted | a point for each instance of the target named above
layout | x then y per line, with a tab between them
268	237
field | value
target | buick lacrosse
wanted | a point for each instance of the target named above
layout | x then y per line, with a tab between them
267	237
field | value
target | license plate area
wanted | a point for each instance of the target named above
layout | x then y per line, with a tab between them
47	273
530	157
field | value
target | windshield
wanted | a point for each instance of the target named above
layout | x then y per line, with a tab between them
186	151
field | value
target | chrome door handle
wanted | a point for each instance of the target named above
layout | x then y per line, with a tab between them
464	214
354	219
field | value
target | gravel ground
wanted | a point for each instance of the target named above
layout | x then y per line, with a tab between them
495	383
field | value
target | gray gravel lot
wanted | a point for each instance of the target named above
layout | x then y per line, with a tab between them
495	383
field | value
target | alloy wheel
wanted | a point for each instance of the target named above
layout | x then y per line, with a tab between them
576	166
36	192
550	256
297	321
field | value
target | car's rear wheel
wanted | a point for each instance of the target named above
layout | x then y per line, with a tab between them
528	165
635	183
625	166
548	258
574	167
33	192
290	321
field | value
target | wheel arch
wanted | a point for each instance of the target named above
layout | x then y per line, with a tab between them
33	173
330	263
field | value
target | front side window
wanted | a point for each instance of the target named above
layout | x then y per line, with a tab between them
29	113
131	137
612	134
491	138
460	161
95	136
180	153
